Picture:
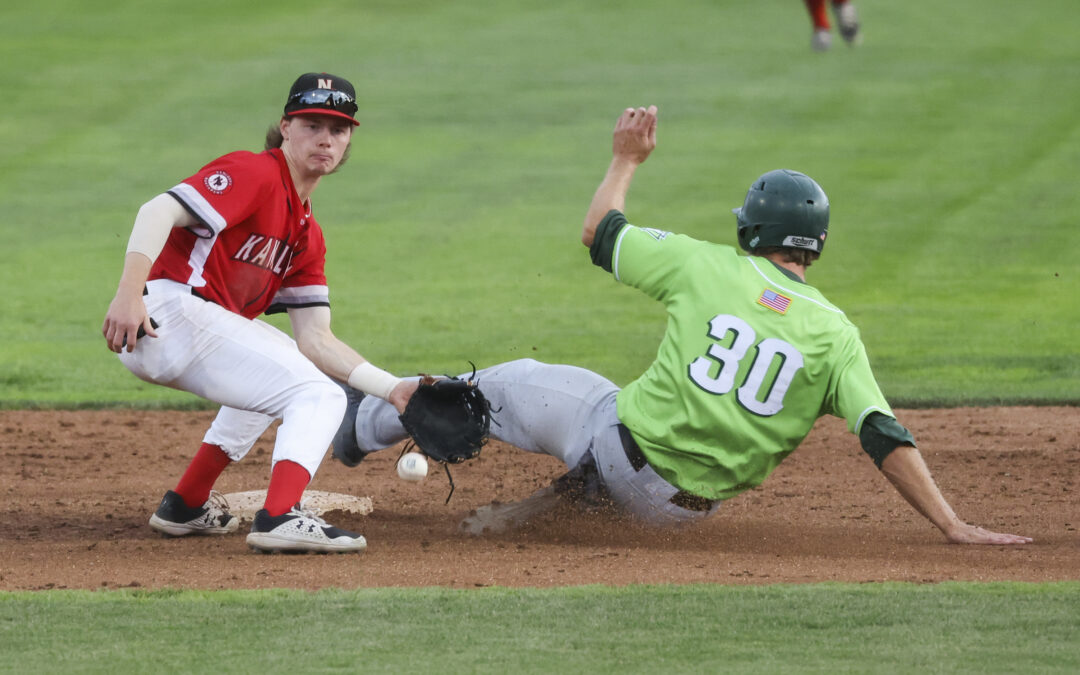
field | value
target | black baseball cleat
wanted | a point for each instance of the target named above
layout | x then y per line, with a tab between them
174	518
300	531
346	449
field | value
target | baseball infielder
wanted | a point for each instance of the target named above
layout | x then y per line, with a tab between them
205	259
846	17
751	357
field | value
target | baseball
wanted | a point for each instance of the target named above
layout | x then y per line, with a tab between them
412	467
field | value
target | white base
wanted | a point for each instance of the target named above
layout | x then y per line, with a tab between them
243	505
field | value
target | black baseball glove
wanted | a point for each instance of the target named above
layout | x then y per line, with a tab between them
448	418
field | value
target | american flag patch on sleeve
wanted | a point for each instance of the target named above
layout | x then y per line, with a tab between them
774	301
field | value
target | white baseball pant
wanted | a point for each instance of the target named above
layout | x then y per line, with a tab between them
252	369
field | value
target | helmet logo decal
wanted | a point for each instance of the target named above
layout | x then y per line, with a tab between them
801	242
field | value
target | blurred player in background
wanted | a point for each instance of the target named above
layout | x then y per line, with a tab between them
204	260
846	18
752	356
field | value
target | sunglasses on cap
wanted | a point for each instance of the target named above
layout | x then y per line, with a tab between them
328	99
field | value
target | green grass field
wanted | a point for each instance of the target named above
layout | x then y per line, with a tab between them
947	147
878	628
948	143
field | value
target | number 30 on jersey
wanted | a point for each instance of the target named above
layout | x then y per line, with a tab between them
750	394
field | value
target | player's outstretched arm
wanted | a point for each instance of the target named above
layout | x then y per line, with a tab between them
632	141
316	341
906	470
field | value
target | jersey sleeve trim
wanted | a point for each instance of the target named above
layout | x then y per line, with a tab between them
197	205
298	297
618	247
863	415
281	307
301	296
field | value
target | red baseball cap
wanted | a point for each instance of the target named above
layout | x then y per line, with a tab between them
322	94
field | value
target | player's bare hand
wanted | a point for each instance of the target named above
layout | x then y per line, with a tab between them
635	134
400	395
963	533
125	317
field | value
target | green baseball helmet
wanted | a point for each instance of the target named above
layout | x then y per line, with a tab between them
783	208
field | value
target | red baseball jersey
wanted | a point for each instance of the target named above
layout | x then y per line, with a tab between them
257	249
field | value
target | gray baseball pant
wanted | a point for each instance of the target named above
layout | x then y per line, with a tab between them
559	410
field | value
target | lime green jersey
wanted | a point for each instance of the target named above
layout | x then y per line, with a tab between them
751	357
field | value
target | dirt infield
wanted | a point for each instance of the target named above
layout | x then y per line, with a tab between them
78	488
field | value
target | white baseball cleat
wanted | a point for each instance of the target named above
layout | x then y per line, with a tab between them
821	40
300	531
848	19
174	518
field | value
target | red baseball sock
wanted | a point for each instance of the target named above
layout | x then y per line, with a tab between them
818	15
287	483
202	473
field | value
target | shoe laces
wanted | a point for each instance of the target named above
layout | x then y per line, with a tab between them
308	513
217	502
